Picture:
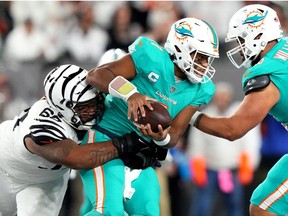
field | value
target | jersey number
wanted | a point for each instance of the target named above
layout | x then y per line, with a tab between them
47	112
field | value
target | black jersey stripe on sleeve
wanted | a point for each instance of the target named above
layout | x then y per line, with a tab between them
44	134
49	122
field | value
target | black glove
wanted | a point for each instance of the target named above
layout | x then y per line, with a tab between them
136	152
146	157
159	152
130	143
139	161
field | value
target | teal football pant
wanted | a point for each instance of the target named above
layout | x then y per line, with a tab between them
272	193
104	188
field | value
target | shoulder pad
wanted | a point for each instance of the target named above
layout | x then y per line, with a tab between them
256	83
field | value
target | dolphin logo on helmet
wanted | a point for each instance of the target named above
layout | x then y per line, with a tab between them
182	31
255	18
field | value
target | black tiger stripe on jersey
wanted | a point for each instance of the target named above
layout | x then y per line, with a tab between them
43	134
47	129
49	134
49	122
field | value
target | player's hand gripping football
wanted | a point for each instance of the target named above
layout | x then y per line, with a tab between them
147	131
136	102
136	152
150	116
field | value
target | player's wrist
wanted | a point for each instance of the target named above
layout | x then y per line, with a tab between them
195	119
121	144
121	88
163	142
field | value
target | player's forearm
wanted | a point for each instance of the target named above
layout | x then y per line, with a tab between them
100	78
68	153
220	127
86	156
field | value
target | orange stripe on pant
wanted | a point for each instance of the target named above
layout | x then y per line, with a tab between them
274	196
100	188
99	179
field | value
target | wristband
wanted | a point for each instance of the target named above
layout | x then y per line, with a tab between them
194	117
121	88
164	141
197	121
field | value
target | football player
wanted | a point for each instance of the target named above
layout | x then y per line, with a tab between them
38	147
263	50
178	75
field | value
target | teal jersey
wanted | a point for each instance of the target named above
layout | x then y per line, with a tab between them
155	78
274	64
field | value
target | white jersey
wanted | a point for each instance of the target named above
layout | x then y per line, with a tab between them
41	124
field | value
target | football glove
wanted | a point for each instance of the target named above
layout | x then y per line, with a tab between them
130	143
136	152
159	152
140	160
146	157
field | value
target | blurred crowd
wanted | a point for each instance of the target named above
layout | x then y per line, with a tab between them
35	36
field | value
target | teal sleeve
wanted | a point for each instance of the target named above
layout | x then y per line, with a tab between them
147	55
205	94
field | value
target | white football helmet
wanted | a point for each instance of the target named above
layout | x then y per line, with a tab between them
65	88
186	36
254	25
111	55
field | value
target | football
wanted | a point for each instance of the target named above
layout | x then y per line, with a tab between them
159	115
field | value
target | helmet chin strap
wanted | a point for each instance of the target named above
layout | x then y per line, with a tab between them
88	125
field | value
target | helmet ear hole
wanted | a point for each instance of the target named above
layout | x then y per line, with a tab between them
69	104
177	49
74	120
